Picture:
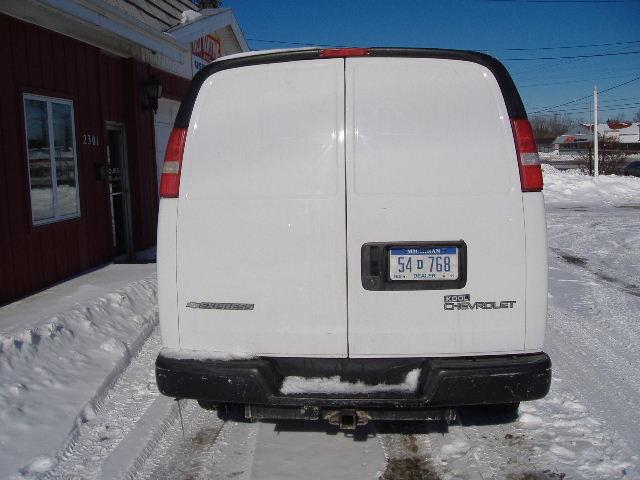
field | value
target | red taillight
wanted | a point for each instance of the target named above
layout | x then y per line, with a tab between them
172	166
344	52
528	159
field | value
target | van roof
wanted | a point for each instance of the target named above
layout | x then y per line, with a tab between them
263	52
512	99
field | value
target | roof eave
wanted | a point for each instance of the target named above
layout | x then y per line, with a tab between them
103	15
210	21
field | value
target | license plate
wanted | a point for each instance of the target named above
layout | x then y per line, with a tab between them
425	263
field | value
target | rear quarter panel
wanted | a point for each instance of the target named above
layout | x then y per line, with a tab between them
537	269
166	264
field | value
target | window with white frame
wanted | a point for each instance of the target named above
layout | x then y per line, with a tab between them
51	153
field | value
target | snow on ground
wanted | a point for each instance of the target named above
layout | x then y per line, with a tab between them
594	320
59	352
572	188
586	428
77	400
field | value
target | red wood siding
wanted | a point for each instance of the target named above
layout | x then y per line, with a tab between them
42	62
103	88
173	87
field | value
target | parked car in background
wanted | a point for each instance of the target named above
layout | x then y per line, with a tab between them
632	169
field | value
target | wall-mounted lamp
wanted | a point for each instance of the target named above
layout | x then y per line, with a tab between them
153	91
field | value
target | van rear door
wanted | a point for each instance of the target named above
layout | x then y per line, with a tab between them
430	159
261	215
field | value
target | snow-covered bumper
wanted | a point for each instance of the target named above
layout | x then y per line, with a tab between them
442	382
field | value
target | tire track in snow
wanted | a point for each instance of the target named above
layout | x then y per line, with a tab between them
482	446
592	340
103	428
207	449
185	455
408	453
582	263
291	450
597	380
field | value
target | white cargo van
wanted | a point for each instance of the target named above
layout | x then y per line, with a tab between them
352	234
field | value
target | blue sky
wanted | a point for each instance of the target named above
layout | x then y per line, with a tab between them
485	25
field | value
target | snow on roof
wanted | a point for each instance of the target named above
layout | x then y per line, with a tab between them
189	16
624	132
193	24
573	137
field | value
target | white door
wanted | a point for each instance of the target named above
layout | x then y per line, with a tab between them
261	213
430	157
163	119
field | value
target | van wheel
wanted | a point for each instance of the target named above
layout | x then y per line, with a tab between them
232	412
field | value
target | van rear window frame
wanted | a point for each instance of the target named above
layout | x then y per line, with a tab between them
513	102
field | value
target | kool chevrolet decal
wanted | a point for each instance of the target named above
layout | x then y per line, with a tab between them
463	302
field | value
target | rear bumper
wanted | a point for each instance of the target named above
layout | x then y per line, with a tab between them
443	382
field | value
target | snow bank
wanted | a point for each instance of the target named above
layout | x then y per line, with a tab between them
562	431
573	188
55	371
332	385
549	156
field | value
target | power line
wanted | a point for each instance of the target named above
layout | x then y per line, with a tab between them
575	112
604	107
623	99
574	74
302	44
561	47
565	82
593	55
536	69
606	104
562	1
588	109
588	96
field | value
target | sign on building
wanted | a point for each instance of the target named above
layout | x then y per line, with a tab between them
205	50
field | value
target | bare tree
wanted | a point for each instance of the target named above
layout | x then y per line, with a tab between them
547	128
636	117
611	157
208	3
619	118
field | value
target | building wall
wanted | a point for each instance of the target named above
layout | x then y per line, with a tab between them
229	41
141	148
103	88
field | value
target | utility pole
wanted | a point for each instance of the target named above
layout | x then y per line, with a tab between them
595	130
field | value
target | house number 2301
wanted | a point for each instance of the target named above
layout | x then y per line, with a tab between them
90	139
